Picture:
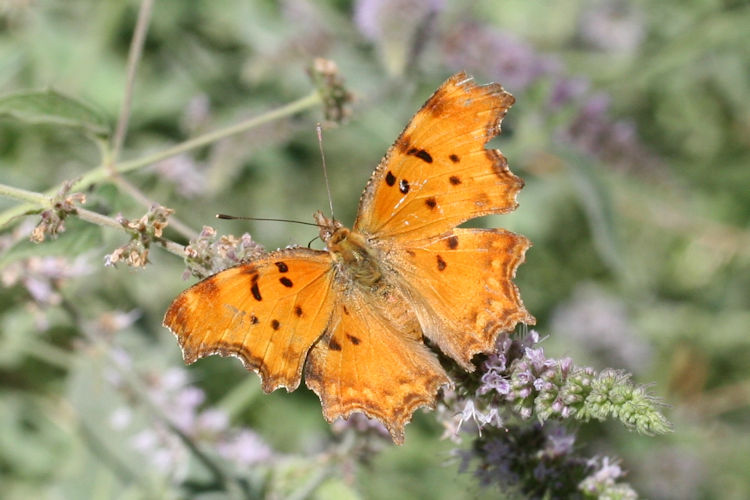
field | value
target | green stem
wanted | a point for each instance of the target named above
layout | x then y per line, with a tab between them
37	199
102	172
134	55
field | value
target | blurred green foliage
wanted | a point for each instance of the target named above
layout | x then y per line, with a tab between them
641	244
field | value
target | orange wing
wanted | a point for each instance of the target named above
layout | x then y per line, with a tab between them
268	313
462	290
372	360
438	174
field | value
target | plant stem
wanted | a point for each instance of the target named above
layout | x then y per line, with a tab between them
134	55
43	201
102	173
37	199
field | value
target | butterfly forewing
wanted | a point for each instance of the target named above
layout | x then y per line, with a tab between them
268	313
438	174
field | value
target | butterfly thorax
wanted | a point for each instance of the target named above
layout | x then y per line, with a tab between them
350	251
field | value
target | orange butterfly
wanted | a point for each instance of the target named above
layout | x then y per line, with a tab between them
358	311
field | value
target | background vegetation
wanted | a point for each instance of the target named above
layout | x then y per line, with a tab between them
631	130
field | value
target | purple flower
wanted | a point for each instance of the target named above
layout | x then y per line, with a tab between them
497	54
601	324
613	26
244	448
493	381
183	171
566	90
383	19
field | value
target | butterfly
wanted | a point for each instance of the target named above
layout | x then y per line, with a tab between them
353	317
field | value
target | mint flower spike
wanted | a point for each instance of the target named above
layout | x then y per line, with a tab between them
613	394
555	388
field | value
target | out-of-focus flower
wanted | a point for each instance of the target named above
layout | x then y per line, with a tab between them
534	461
566	90
196	113
207	255
602	482
180	403
111	322
398	27
185	173
244	447
362	425
599	323
42	276
499	55
594	132
120	418
613	26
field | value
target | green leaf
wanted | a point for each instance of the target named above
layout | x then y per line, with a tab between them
597	205
52	107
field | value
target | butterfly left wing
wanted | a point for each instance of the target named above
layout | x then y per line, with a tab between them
372	360
438	174
268	313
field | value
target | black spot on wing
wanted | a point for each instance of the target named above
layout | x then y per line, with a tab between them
403	186
421	154
275	324
298	311
333	345
286	282
455	180
452	242
255	289
282	267
441	263
454	158
390	179
431	202
354	340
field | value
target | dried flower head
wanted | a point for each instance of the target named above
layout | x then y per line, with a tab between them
53	219
207	254
336	97
143	232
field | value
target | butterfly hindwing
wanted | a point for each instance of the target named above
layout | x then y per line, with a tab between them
372	360
462	289
268	313
438	174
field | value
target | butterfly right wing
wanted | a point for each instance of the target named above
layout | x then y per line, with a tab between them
268	313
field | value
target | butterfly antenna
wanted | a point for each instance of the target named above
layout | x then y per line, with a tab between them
319	129
310	242
237	217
